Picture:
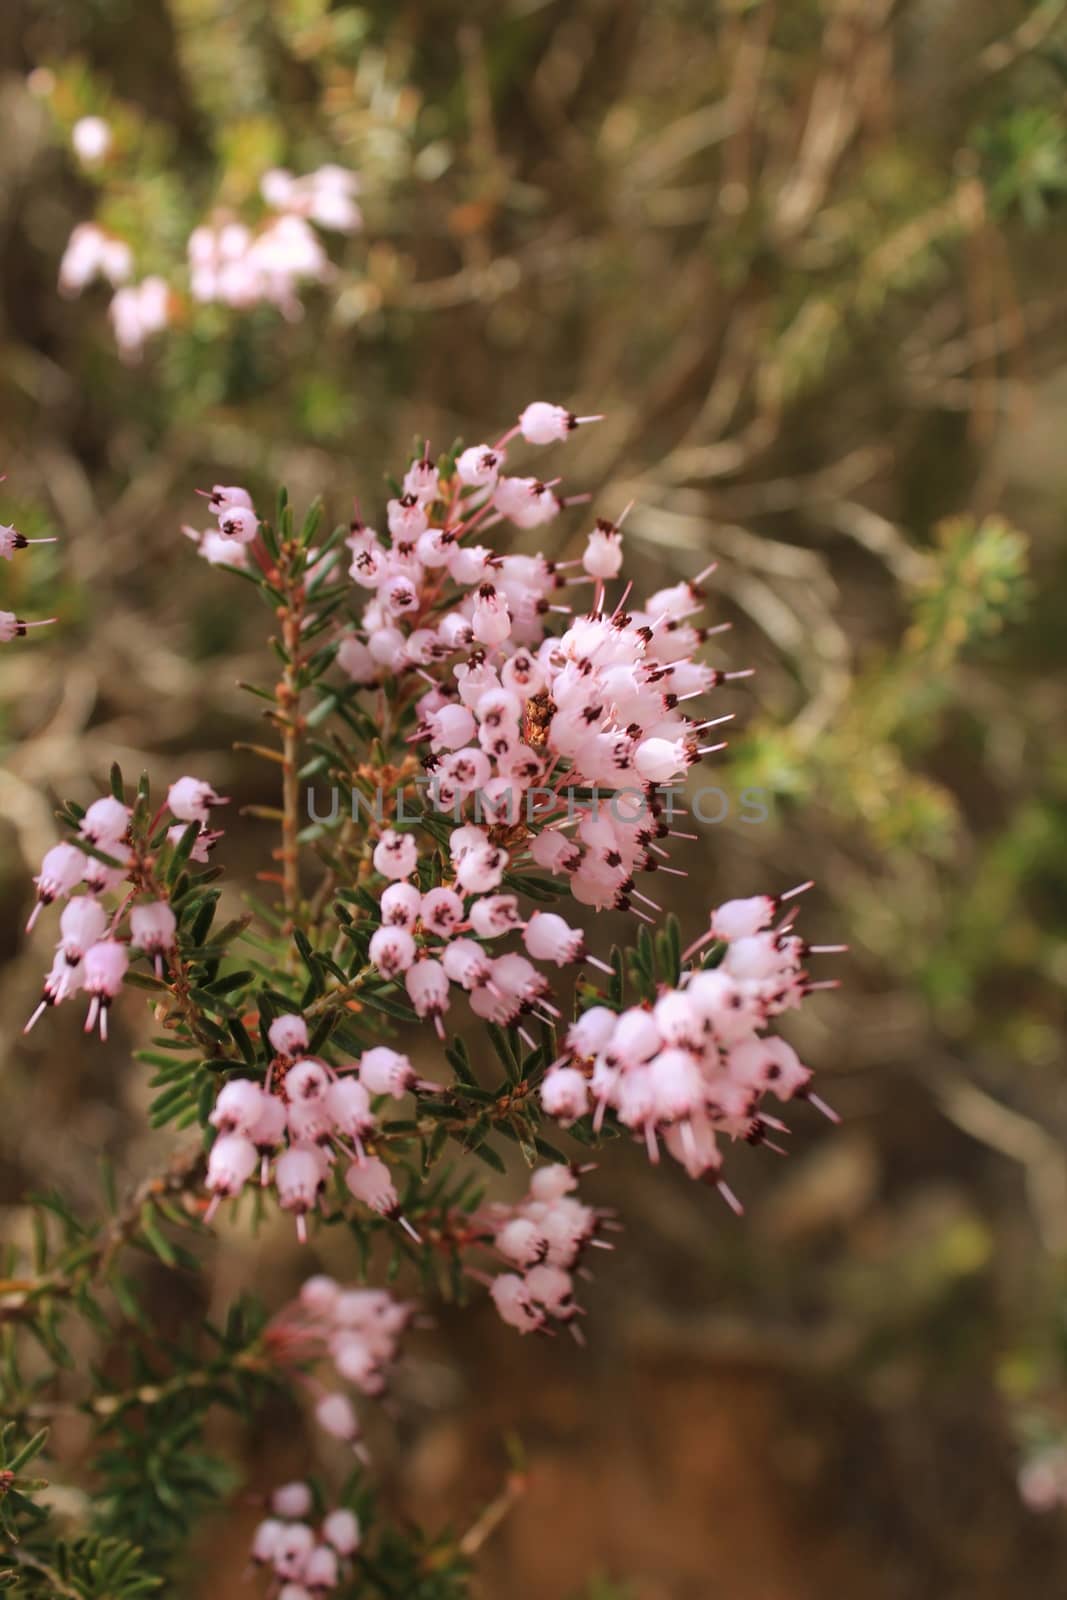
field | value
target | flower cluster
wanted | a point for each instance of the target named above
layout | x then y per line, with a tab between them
556	748
96	943
227	544
229	262
696	1063
542	1239
304	1560
92	253
12	626
295	1125
585	724
233	266
515	716
425	937
356	1331
514	713
139	310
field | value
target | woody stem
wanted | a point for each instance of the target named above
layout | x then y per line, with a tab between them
289	706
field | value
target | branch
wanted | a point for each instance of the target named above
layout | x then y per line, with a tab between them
289	705
1021	1140
485	1525
95	1260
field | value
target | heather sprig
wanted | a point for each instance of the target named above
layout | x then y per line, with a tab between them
512	733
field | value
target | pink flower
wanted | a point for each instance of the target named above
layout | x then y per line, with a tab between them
325	196
268	1130
602	557
299	1174
738	919
491	620
336	1414
92	253
91	138
203	844
232	1161
321	1571
565	1095
392	950
515	1304
552	1290
356	661
82	923
371	1182
292	1500
341	1529
105	822
451	727
401	904
481	869
239	1107
292	1550
542	423
189	799
663	760
441	911
11	540
548	938
223	495
288	1035
421	480
64	980
466	963
265	1539
137	312
319	1295
238	522
306	1079
521	1241
494	914
427	986
13	627
347	1104
479	466
527	502
396	855
61	869
386	1071
153	928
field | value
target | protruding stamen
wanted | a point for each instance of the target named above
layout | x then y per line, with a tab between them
820	1105
409	1230
41	1009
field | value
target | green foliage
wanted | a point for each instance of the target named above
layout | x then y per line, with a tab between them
411	1566
976	585
89	1568
866	766
18	1510
156	1480
1025	153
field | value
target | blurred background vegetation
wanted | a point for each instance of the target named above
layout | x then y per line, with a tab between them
808	259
